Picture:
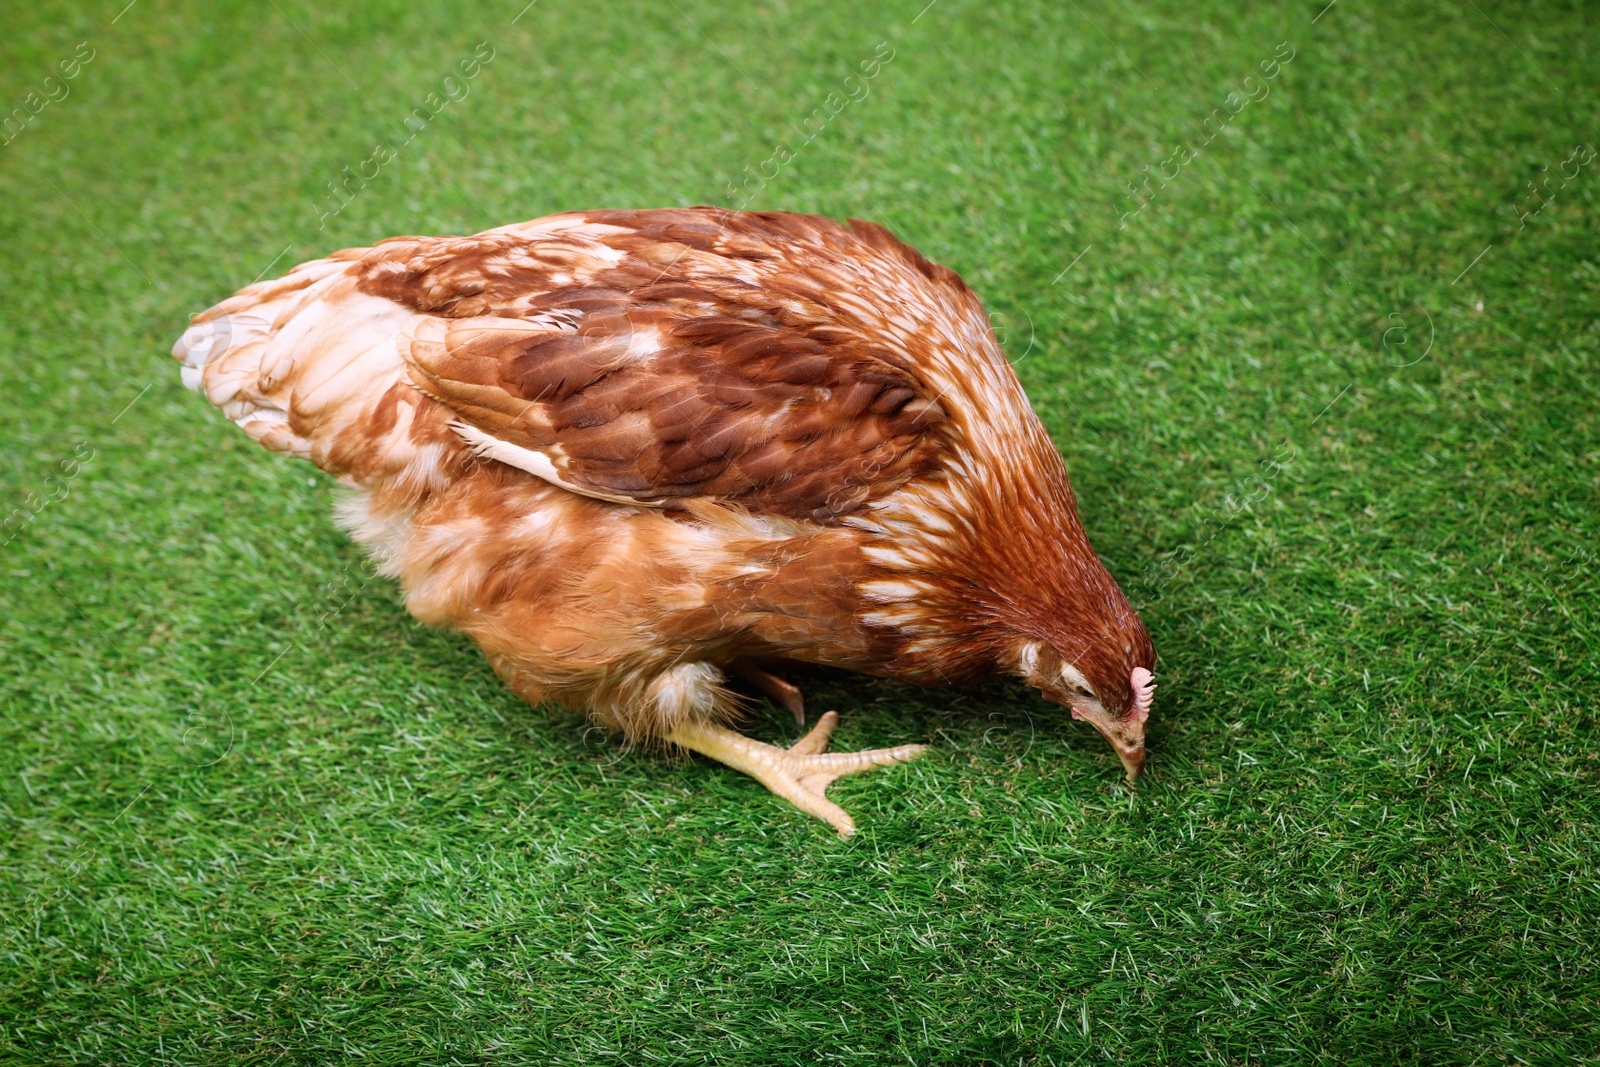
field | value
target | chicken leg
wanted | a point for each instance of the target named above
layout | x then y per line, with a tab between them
799	774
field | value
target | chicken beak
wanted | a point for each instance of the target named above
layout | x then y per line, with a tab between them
1127	740
1126	736
1133	761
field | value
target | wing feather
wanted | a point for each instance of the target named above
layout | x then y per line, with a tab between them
670	373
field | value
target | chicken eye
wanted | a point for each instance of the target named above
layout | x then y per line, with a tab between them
1083	691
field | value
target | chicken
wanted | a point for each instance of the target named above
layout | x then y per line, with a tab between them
632	453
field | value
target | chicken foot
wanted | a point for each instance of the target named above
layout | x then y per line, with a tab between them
799	774
784	692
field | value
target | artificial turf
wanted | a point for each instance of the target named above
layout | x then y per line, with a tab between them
1329	403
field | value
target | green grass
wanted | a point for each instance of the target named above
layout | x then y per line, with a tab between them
254	814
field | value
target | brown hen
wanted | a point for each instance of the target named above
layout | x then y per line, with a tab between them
630	452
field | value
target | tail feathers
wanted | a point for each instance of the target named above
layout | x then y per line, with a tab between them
312	366
224	350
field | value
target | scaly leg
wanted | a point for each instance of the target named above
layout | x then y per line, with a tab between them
785	693
800	774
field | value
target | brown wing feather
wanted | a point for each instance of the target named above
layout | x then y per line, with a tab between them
637	382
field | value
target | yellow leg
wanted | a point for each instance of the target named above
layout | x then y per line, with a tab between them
800	774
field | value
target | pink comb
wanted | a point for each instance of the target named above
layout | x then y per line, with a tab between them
1143	690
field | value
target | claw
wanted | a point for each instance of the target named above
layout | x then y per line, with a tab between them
779	689
816	739
801	773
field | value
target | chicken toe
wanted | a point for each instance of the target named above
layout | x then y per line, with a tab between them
783	691
800	774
